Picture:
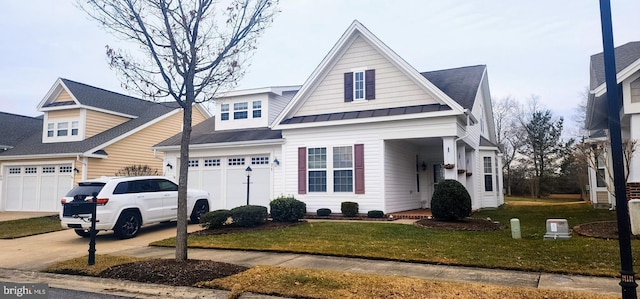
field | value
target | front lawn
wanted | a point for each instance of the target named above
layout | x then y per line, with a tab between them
496	249
26	227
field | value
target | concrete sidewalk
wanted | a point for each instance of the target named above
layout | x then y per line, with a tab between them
423	271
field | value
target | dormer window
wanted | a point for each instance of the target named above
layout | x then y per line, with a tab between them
360	85
224	112
257	109
63	130
240	110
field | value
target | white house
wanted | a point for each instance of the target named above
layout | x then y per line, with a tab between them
365	127
628	78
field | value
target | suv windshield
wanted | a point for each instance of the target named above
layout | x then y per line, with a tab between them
86	189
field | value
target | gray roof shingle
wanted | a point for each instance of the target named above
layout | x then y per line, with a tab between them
145	111
15	128
460	84
625	55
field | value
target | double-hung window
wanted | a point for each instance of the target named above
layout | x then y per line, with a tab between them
224	112
343	169
360	85
257	109
601	172
240	110
63	129
50	129
488	174
317	169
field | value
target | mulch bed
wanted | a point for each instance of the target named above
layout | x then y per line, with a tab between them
468	224
601	230
269	225
171	272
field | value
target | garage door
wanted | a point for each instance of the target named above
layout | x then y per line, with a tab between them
226	180
36	187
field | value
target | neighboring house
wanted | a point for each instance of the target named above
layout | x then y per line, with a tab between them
628	78
365	127
85	132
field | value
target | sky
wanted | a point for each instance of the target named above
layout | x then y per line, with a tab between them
530	48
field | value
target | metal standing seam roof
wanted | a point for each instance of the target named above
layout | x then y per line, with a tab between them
145	111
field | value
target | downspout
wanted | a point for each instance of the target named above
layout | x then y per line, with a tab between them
155	155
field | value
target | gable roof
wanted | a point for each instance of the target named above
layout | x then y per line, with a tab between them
460	84
357	29
146	113
627	59
15	128
626	55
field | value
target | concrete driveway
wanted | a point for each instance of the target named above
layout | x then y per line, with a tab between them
9	215
39	251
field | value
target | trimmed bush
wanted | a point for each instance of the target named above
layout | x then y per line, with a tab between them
248	216
323	212
451	201
287	209
375	214
349	208
214	219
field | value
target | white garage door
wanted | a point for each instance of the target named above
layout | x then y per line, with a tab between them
36	187
226	180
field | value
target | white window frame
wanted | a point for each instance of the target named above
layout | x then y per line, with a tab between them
330	166
362	89
256	106
224	111
71	128
488	171
236	161
342	167
260	160
211	162
241	107
317	167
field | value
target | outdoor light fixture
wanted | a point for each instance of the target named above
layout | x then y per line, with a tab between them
248	170
76	170
276	161
169	165
424	166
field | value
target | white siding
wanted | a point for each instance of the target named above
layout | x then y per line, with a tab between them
276	105
400	176
393	87
372	199
249	122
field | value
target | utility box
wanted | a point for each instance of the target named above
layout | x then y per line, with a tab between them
634	216
557	229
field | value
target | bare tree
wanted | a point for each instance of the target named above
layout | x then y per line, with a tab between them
509	137
191	50
596	154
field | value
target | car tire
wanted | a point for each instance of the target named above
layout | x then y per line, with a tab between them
128	225
200	208
83	233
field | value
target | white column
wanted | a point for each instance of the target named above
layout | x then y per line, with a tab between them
449	150
634	134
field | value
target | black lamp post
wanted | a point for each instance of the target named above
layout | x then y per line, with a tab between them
248	170
627	276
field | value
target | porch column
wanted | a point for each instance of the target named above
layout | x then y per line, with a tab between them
462	163
449	149
634	134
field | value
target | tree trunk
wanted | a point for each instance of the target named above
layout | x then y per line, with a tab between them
181	233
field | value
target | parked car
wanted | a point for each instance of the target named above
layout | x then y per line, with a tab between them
124	204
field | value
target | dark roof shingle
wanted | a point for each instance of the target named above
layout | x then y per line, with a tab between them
625	55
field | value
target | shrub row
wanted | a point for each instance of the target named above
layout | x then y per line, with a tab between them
245	216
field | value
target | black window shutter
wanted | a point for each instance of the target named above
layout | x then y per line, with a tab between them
370	84
348	87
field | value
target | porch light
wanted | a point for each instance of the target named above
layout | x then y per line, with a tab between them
424	166
169	165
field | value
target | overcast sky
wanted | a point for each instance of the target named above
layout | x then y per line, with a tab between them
537	47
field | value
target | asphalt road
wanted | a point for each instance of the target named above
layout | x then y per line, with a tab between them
55	293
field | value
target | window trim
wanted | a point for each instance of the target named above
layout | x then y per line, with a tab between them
257	109
224	111
240	108
488	173
62	130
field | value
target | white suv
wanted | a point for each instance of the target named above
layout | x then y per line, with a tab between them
126	203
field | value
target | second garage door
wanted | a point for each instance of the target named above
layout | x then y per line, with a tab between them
226	180
36	187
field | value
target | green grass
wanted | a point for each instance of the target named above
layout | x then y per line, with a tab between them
27	227
496	249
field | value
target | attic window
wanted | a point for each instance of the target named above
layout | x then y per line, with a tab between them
360	85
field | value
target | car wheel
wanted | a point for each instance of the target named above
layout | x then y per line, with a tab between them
201	207
128	225
83	233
